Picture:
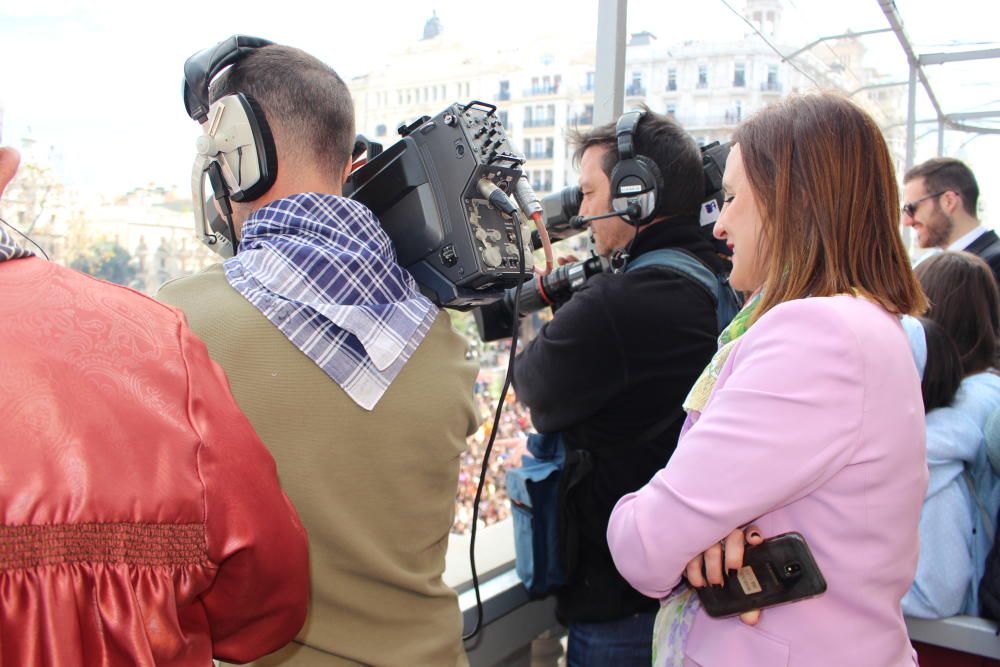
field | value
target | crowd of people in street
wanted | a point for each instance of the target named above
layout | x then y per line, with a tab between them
515	424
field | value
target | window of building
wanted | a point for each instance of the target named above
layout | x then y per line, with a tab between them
703	76
740	76
672	78
588	84
503	118
504	93
635	87
772	77
380	130
672	110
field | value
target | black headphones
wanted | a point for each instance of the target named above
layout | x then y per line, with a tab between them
636	181
253	168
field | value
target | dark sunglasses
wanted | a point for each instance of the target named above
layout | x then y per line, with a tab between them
910	207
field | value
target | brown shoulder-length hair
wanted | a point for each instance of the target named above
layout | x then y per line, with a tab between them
966	303
825	186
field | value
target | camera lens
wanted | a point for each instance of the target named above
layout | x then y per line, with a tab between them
792	569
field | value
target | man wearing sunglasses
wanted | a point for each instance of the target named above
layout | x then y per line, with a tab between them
940	198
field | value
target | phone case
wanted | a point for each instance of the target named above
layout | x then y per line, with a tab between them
779	570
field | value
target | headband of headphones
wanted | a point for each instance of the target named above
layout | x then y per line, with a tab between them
625	129
202	67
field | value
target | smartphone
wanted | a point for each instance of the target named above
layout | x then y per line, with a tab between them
779	570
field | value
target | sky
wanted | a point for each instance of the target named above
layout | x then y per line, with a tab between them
99	81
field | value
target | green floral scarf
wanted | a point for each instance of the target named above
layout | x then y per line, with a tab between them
697	398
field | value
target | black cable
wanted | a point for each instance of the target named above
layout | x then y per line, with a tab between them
628	251
27	238
496	427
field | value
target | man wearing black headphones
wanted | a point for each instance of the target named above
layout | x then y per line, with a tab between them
611	370
356	383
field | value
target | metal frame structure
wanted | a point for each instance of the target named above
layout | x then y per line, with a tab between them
610	73
917	62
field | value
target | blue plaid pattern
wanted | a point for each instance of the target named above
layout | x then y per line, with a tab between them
322	270
9	248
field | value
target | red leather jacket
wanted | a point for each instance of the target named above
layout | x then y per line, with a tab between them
141	519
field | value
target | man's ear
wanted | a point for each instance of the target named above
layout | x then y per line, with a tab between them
347	171
952	202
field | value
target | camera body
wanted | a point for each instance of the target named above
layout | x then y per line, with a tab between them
424	190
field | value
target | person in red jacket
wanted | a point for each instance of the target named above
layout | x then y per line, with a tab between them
141	519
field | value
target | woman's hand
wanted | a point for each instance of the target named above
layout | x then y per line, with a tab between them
729	552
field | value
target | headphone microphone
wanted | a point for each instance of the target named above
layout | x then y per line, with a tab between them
632	212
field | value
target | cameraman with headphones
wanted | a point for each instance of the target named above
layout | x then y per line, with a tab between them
356	383
612	368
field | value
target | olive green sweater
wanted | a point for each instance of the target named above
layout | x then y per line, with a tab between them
375	490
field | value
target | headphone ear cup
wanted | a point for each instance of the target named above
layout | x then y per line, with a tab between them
656	179
267	155
636	180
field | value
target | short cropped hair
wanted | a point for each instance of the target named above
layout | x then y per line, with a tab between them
822	177
304	99
665	142
965	302
943	174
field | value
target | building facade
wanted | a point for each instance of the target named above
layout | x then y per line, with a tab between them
545	91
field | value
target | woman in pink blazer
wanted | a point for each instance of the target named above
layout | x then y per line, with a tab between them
809	418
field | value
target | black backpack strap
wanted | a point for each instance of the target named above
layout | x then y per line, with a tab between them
683	263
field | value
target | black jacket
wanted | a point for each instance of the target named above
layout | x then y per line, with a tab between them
614	365
987	246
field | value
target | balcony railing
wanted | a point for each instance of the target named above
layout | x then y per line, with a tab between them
716	120
539	122
541	90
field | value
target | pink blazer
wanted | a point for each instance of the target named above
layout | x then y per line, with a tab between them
816	425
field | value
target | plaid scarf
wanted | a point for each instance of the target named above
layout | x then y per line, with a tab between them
322	270
9	248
